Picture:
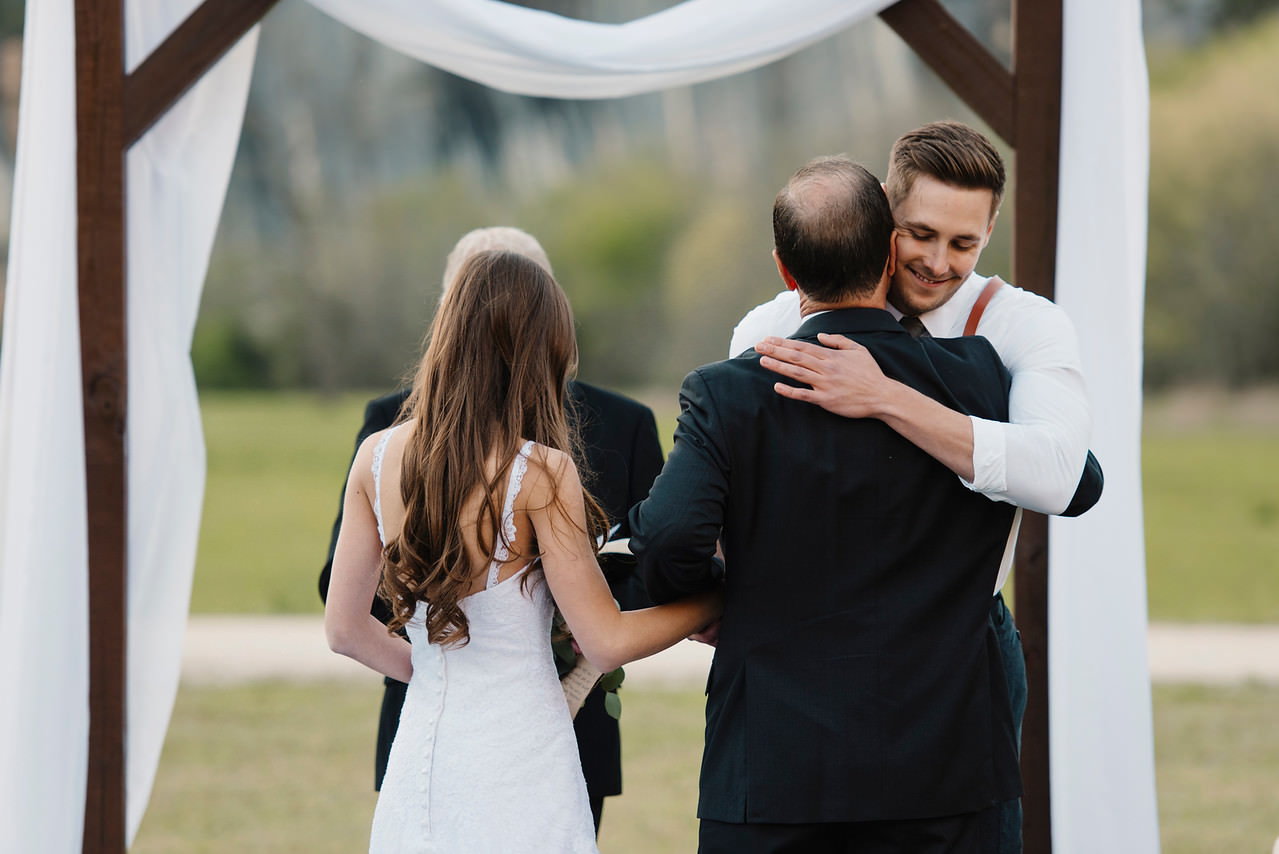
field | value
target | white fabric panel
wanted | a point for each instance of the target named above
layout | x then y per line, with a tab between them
531	52
1103	784
44	716
176	182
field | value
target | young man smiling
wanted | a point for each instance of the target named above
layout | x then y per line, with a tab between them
945	184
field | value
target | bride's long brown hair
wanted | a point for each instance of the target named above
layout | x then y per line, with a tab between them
497	359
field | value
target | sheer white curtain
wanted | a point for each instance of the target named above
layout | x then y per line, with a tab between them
1103	785
177	179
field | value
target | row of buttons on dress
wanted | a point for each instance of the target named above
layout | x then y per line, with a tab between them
433	673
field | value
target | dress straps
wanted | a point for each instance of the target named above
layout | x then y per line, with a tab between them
502	551
378	451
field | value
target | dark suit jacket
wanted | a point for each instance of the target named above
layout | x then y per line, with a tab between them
623	456
855	678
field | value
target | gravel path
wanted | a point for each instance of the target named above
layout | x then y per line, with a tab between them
222	649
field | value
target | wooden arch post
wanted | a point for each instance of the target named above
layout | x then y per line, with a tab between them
114	109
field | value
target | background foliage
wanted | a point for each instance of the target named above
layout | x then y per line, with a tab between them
356	174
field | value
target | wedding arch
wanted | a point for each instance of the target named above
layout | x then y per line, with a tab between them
129	116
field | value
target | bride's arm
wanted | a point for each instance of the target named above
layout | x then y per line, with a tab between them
608	637
350	628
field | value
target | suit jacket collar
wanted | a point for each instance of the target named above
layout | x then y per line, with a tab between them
841	320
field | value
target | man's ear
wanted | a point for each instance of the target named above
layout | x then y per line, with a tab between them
990	229
787	278
890	269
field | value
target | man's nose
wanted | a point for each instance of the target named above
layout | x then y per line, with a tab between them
935	260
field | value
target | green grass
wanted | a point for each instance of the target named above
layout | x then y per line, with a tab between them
1212	525
277	463
279	768
265	768
1216	751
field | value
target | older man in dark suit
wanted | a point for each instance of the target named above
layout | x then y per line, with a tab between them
856	701
622	455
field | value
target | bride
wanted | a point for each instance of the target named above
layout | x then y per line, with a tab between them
468	516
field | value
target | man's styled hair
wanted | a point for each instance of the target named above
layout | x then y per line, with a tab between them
831	228
951	152
498	238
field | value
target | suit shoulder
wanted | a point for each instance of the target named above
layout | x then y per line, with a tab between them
601	399
972	347
730	381
387	406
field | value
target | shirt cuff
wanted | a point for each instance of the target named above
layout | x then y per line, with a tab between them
989	457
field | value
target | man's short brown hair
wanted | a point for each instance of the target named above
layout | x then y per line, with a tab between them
951	152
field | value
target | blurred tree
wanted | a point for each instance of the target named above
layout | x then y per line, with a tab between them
1212	294
719	268
608	234
1233	13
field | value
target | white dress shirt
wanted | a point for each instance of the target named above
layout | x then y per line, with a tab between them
1036	459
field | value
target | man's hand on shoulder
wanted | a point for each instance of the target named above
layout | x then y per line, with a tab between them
843	377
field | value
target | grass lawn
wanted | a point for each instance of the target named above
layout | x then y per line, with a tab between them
1212	525
279	768
277	463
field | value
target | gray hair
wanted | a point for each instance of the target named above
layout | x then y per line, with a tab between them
499	237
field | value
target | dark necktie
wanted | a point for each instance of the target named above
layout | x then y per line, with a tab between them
915	327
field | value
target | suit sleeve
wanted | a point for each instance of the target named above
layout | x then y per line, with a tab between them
377	416
644	462
1088	492
674	531
646	458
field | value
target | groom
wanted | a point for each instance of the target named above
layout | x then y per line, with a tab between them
856	700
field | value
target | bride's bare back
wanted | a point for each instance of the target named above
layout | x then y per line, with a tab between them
481	559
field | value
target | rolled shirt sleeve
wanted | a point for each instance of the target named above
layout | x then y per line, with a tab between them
1034	461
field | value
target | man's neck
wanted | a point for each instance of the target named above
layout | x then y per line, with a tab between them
808	306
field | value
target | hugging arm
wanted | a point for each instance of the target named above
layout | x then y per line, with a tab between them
1036	460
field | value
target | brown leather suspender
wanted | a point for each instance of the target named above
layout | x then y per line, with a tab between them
979	307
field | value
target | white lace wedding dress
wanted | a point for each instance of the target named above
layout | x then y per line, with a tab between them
485	759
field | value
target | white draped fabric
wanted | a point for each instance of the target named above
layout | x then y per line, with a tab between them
177	177
1102	761
1102	744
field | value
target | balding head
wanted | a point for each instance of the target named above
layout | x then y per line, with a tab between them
832	228
495	238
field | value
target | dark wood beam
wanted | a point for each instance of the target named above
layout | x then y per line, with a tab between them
99	36
1037	57
177	64
962	62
